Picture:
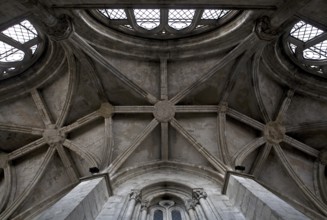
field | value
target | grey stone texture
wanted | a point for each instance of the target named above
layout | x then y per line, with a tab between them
159	115
256	202
85	202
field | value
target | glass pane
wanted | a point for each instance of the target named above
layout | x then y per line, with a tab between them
180	18
176	215
147	18
304	31
9	53
22	32
214	14
114	14
316	52
158	215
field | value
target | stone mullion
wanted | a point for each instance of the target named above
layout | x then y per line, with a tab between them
82	152
255	71
246	44
42	108
80	43
260	160
81	122
22	197
212	160
315	40
116	164
20	46
245	119
68	164
307	192
20	129
26	149
301	146
132	109
239	156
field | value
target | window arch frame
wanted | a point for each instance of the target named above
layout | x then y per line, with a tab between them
167	211
312	66
163	31
13	68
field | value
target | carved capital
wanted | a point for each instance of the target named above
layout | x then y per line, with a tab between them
199	193
274	132
144	205
191	203
61	30
134	194
264	30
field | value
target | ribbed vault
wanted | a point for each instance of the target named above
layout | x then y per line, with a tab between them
206	104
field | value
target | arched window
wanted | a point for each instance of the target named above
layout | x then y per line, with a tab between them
19	46
307	46
163	23
167	210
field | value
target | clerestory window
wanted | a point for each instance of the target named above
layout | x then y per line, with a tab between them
307	45
164	23
19	44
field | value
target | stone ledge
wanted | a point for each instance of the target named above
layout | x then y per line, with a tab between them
255	201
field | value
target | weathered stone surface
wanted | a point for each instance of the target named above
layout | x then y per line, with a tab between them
164	111
274	132
3	160
255	200
53	135
323	157
106	110
215	96
85	201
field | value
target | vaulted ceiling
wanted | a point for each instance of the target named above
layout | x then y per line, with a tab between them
100	98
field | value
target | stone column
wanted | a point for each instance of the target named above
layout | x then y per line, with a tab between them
200	195
190	206
133	198
144	209
199	212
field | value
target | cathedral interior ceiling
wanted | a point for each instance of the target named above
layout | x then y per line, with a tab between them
121	103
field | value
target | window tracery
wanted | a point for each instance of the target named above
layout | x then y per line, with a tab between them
163	23
307	46
19	44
